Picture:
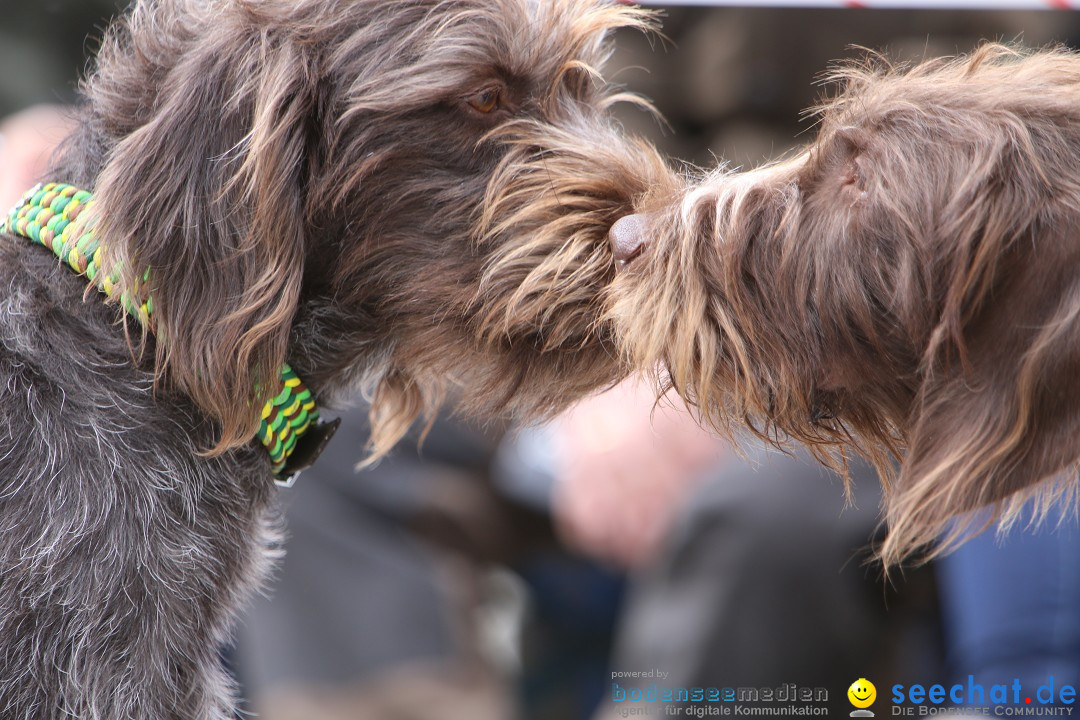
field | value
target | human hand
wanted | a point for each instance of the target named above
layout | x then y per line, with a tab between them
625	467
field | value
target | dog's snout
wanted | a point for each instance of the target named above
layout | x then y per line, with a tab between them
627	238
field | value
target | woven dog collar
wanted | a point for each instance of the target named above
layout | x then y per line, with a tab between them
48	215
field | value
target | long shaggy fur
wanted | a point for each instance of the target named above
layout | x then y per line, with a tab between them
310	181
908	284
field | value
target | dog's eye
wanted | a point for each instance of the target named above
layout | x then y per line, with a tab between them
485	101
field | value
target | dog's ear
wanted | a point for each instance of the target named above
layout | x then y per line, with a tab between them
207	194
997	418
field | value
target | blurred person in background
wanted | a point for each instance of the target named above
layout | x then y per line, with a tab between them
609	474
745	570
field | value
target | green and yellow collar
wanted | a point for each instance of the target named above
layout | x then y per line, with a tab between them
48	215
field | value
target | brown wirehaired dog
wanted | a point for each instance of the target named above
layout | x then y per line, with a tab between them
908	284
415	194
412	192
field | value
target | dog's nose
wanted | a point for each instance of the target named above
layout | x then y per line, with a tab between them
627	238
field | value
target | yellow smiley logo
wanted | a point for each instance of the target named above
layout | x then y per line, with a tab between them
862	693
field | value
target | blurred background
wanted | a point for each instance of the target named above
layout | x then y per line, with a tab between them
526	574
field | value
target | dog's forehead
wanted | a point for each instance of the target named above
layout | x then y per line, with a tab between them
538	35
441	48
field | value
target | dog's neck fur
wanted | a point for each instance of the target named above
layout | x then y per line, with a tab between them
53	215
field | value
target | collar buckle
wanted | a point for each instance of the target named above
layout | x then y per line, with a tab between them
308	449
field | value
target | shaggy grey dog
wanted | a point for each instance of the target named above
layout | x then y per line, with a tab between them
412	192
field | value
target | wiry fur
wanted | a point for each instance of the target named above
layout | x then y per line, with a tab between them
908	284
308	182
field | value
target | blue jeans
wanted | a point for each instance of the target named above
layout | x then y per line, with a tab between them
1011	607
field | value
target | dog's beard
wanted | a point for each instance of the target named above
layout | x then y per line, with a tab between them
546	217
529	334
